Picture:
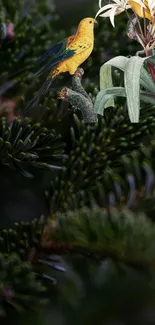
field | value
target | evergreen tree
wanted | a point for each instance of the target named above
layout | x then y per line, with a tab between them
77	200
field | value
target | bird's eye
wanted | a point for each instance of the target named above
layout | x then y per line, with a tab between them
90	21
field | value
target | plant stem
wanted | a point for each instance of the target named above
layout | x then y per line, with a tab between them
151	67
145	32
152	70
139	36
140	27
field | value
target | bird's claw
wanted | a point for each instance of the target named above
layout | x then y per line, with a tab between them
79	72
63	93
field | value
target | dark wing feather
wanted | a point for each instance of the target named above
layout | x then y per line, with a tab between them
66	54
40	92
56	49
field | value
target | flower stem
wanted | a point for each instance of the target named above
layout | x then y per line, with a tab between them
145	32
139	25
152	70
151	67
138	34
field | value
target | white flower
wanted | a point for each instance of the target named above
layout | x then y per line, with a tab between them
151	5
115	8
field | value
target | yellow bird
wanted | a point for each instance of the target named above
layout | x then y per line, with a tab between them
69	53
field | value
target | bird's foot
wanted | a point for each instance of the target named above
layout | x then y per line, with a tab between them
63	93
79	73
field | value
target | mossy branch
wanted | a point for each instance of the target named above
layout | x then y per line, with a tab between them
77	85
78	98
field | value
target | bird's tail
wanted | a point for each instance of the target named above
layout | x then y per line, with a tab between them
40	92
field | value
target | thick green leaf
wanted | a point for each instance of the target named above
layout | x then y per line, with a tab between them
106	75
106	82
117	62
152	59
147	97
134	75
104	95
132	84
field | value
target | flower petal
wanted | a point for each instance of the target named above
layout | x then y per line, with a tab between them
118	2
100	3
106	14
151	6
121	3
139	10
110	6
151	3
140	2
112	16
114	8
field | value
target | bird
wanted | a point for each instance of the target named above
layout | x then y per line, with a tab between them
69	53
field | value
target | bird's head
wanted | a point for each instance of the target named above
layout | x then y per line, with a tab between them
87	24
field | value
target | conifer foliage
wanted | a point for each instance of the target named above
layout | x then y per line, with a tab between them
89	255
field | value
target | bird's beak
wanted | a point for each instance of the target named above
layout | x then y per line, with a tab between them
95	22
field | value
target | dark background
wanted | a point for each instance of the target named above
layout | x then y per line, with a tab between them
71	11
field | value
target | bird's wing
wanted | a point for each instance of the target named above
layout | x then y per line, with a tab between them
70	39
79	45
60	50
53	50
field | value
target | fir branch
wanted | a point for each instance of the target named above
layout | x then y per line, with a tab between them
105	158
22	238
121	235
25	144
19	288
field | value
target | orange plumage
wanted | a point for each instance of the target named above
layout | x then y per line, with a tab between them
82	43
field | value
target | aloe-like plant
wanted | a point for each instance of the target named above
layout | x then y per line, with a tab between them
139	72
138	84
